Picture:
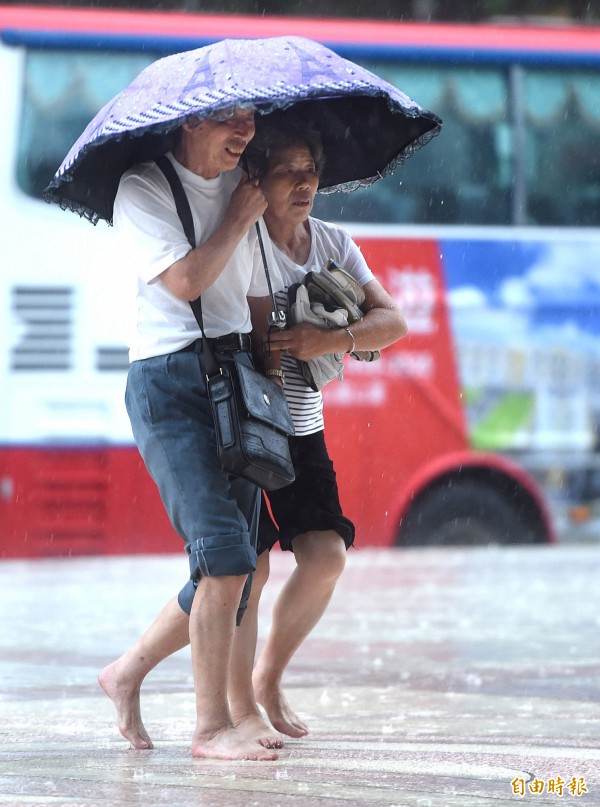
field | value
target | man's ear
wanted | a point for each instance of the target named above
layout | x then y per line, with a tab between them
192	122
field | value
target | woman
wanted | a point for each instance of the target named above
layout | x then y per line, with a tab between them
307	516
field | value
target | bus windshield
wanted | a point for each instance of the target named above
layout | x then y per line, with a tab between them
518	144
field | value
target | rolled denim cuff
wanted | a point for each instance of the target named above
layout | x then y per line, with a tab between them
221	555
185	598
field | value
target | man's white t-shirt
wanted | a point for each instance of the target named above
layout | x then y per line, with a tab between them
152	239
328	242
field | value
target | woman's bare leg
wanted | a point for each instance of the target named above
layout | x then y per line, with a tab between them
320	558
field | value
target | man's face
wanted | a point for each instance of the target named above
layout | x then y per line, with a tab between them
219	143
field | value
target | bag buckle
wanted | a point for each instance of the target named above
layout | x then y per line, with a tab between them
209	378
277	319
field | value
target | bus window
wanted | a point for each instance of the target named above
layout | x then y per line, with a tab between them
62	91
469	173
562	163
464	176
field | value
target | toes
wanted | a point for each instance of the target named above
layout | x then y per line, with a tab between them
141	746
138	741
271	742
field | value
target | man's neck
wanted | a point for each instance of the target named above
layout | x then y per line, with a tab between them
193	163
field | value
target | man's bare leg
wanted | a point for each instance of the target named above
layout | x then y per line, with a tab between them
245	711
320	559
212	627
122	679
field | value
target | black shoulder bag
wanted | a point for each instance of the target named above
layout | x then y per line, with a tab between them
252	419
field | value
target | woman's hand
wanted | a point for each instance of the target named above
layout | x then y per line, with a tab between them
307	342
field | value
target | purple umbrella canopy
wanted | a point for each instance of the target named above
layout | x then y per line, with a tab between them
368	126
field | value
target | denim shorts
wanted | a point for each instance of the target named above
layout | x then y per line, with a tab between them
215	514
310	503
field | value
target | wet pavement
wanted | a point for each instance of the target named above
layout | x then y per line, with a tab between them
446	678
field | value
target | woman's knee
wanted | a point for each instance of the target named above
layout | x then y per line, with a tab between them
322	553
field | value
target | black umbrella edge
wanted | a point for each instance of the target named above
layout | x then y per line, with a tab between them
149	142
392	165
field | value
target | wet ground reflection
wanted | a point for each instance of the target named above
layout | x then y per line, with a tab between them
438	677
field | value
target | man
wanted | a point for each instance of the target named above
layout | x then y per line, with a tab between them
166	399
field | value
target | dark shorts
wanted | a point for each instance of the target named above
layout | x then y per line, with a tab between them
310	503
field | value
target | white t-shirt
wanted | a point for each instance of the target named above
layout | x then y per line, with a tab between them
152	239
328	242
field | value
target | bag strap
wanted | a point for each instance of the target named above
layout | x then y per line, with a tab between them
277	317
185	214
181	201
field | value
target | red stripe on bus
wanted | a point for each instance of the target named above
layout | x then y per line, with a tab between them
415	35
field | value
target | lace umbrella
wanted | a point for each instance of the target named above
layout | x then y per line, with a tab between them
368	126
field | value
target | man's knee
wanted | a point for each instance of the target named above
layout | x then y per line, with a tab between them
222	556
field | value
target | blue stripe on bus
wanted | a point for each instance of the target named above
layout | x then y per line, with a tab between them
365	50
102	41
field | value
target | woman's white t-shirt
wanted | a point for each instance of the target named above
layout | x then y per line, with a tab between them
328	242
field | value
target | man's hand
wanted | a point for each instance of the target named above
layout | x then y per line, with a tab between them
190	276
247	203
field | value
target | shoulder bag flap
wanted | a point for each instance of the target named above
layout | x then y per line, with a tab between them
263	399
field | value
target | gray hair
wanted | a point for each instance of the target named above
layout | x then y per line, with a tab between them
270	139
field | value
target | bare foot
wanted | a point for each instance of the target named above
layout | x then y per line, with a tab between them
278	710
126	699
253	727
229	744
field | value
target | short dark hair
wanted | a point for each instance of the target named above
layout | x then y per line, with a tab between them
271	138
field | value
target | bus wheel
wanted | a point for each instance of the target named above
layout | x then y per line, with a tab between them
468	512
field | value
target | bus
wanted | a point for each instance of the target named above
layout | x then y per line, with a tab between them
480	427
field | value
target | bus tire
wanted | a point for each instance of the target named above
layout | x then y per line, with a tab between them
466	512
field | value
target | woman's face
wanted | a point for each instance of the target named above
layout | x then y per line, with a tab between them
291	183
